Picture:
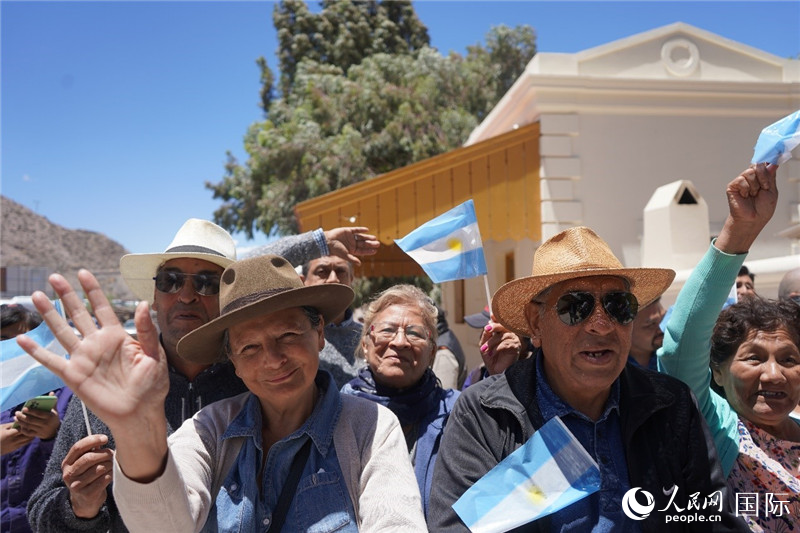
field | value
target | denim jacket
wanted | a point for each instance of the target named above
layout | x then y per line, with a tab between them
321	502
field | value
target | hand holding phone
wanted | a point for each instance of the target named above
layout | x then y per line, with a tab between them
41	403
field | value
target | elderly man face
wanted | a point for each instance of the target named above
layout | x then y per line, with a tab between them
329	269
185	310
581	361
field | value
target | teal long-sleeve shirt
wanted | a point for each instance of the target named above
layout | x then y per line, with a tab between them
686	350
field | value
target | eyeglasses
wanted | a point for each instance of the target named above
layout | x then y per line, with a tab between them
575	307
385	332
171	282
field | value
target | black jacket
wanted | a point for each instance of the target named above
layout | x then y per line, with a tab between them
665	437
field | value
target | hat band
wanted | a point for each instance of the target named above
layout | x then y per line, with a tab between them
252	298
190	248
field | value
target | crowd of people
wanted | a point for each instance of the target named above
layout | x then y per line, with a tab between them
257	401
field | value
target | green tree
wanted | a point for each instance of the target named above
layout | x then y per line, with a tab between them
342	34
361	94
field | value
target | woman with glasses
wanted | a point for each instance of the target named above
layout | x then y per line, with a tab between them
399	344
743	364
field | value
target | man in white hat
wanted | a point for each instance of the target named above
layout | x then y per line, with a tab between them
182	285
642	428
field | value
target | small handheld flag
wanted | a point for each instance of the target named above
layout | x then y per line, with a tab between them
21	376
549	472
776	142
449	246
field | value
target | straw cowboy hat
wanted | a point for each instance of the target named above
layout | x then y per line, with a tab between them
573	253
254	287
197	239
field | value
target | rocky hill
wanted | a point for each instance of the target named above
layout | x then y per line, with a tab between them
30	240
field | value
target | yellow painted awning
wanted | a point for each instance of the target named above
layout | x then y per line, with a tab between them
501	175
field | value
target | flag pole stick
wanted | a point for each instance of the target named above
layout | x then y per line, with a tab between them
86	419
63	314
488	293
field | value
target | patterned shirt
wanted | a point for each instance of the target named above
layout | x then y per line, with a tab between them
766	480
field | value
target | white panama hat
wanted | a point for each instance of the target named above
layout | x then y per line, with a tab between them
197	239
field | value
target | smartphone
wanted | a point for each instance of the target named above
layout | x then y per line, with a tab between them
43	403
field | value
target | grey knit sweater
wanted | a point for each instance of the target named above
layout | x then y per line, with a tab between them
338	355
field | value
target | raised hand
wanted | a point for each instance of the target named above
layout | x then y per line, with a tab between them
752	198
350	242
116	376
500	348
87	471
123	380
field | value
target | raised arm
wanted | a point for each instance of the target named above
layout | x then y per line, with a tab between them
122	380
345	242
752	197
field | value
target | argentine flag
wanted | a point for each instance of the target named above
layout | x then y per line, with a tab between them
21	376
776	142
549	472
448	247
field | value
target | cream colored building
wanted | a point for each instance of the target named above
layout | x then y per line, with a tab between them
666	117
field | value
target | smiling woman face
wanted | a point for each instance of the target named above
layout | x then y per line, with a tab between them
277	355
398	359
762	379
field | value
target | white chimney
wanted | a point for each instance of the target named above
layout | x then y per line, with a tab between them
676	231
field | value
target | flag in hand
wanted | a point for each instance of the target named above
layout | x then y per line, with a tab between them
776	142
549	472
449	246
21	376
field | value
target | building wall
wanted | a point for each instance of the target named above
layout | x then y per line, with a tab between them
620	120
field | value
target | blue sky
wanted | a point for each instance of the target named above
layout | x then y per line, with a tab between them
113	115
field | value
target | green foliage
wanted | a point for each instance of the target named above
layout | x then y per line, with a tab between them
343	33
361	94
507	52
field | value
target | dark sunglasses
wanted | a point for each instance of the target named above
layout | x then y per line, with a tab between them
575	307
171	282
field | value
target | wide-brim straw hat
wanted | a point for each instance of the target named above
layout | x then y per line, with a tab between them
254	287
197	239
574	253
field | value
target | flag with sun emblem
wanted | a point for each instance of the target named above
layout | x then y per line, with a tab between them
549	472
449	246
